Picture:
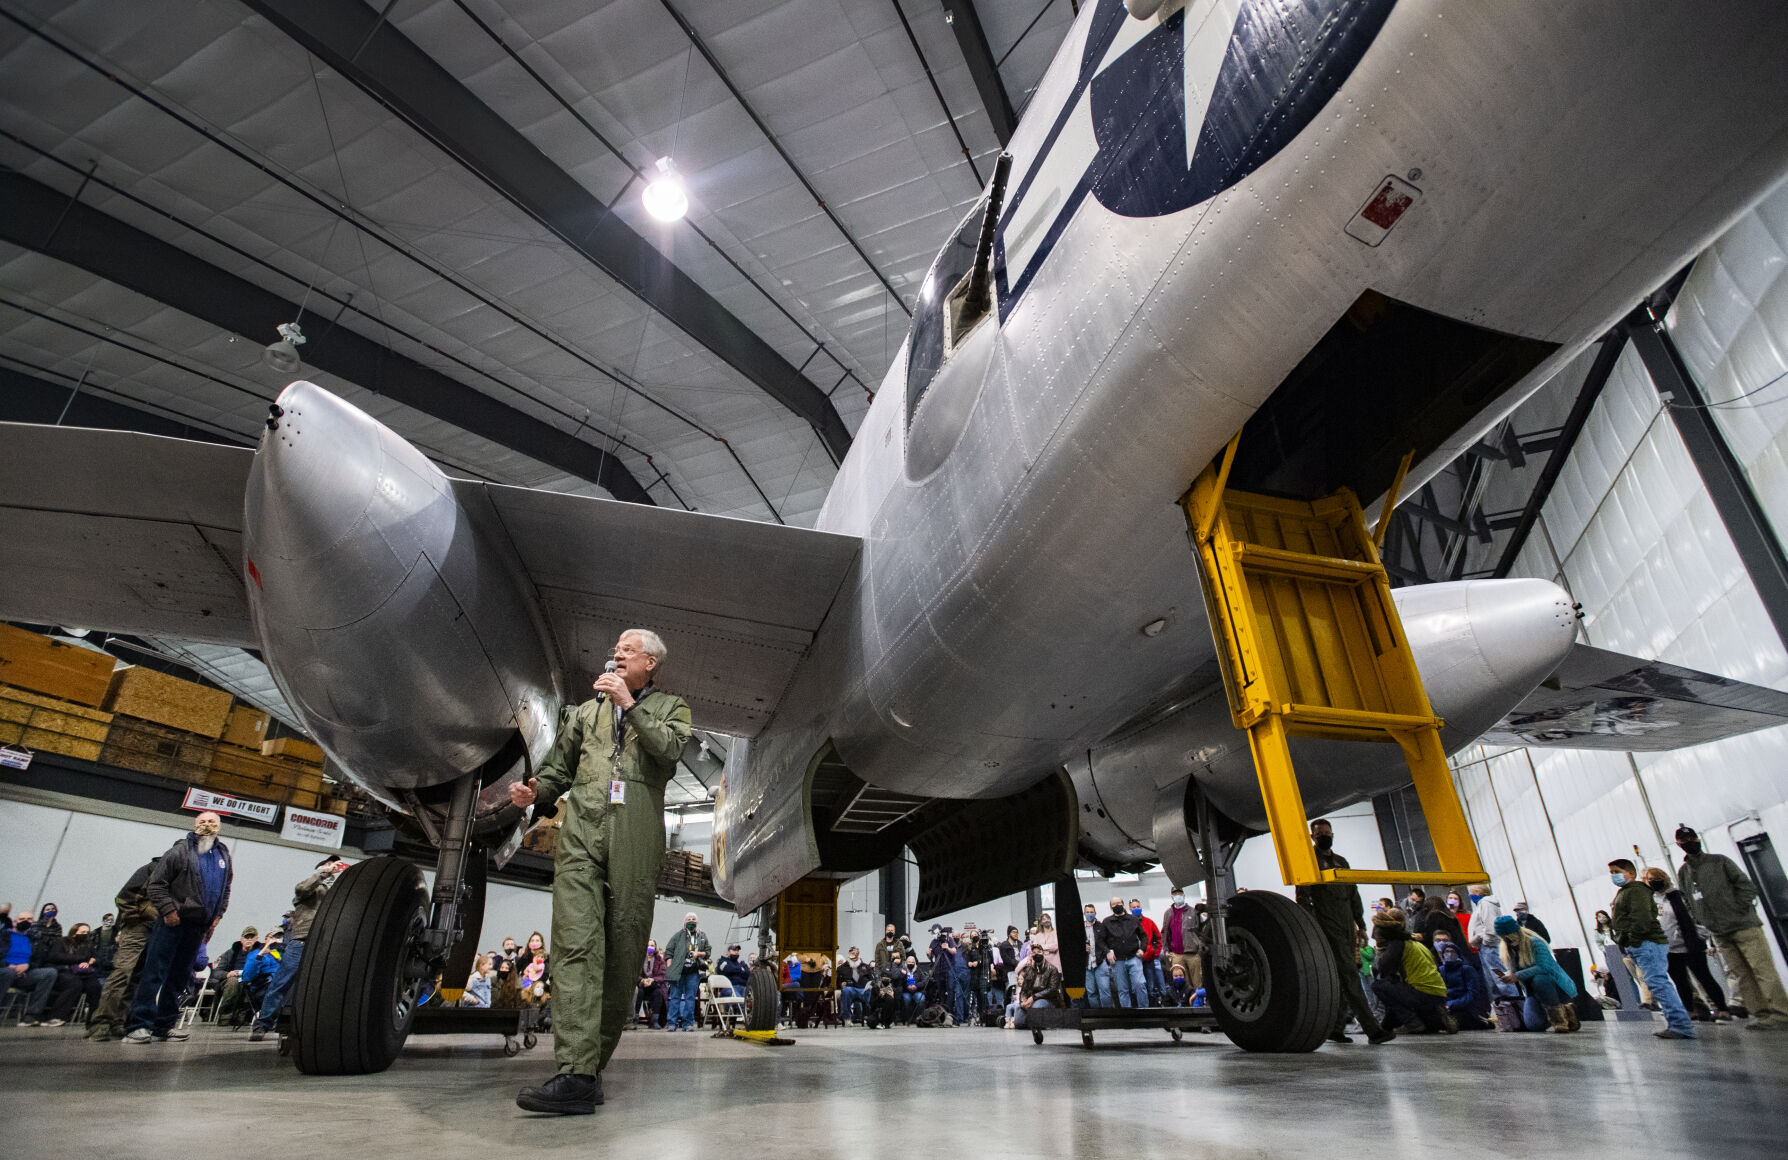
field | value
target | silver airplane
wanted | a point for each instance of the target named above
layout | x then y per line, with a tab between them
1343	228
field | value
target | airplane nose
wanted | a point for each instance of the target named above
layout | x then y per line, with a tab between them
1524	627
319	470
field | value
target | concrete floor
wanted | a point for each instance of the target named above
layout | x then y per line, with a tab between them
865	1094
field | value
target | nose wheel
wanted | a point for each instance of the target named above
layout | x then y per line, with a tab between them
1279	991
358	986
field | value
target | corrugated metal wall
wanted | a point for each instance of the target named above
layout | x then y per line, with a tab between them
1630	531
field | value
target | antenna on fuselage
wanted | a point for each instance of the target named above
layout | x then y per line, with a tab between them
978	298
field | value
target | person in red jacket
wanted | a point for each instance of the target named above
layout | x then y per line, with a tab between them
1151	955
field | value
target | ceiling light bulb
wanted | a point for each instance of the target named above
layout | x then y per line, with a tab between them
664	198
282	356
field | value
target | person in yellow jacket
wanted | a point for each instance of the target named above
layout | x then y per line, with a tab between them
1408	983
614	755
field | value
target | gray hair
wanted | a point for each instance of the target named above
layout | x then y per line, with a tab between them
650	642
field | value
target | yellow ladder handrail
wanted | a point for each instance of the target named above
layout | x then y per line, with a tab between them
1311	645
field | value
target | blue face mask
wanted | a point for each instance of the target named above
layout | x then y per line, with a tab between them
1618	878
1136	910
1476	898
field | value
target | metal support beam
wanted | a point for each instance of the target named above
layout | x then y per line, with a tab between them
1591	390
1719	469
348	37
966	23
121	253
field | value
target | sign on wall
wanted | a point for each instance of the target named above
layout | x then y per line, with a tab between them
11	758
223	803
313	829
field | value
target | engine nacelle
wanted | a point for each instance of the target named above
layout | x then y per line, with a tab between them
1481	646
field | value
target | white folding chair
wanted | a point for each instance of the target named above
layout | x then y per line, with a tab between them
726	1005
191	1011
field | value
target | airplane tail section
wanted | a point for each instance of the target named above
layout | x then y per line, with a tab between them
1599	699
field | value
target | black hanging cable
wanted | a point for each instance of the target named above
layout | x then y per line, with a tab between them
948	115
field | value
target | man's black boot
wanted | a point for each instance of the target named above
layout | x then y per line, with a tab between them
564	1094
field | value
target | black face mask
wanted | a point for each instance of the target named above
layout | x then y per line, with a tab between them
1324	842
1690	847
1117	910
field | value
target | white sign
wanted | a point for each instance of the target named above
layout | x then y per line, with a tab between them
223	803
313	829
11	758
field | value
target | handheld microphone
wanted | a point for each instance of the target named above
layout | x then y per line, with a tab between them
608	667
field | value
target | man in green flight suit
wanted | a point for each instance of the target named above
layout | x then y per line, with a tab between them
614	754
1341	918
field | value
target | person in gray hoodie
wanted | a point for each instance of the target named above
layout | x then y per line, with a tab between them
1723	899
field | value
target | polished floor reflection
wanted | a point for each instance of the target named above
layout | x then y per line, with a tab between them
868	1094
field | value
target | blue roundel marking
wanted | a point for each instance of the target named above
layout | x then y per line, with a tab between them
1283	61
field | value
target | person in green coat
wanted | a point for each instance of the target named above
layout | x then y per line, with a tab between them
1722	898
612	758
687	960
1341	917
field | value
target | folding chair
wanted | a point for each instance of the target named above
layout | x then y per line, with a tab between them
725	1005
12	1006
191	1010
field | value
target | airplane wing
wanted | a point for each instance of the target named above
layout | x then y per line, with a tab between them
123	532
1605	700
737	602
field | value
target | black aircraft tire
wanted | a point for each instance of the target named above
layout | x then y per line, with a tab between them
1281	992
766	1000
352	1008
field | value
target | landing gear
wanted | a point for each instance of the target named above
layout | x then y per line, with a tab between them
356	991
1279	990
376	946
765	986
1269	974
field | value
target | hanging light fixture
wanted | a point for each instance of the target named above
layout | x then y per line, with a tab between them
282	356
664	198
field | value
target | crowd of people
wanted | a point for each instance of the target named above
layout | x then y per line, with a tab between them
1444	963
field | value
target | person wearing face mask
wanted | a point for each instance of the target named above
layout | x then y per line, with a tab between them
1119	946
909	981
1046	939
1005	959
1723	899
736	970
25	974
306	897
1152	976
1688	949
1637	930
1485	910
1341	917
686	960
1180	944
1039	987
190	889
650	993
1531	921
1468	993
856	981
1098	972
888	952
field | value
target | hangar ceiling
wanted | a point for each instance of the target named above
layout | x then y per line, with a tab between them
827	145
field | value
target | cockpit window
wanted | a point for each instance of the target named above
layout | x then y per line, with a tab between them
930	339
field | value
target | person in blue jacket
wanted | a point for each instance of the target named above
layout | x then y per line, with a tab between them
1468	994
1529	961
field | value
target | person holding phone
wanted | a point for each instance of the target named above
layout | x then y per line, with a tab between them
306	897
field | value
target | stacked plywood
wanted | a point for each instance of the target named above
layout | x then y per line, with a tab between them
64	671
245	729
51	725
682	872
294	749
151	747
151	696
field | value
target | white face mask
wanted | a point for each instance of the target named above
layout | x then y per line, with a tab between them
1179	900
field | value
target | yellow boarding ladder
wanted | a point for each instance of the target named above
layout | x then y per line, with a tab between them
1311	646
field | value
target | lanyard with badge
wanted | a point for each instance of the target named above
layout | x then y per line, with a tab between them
617	787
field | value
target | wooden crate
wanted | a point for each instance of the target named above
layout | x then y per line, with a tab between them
151	747
246	727
259	789
29	660
151	696
51	725
294	749
239	762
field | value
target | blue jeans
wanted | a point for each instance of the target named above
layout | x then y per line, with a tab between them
910	1003
959	991
167	969
1653	961
1126	982
1018	1020
1490	958
36	984
1151	970
1098	986
855	999
281	986
682	999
